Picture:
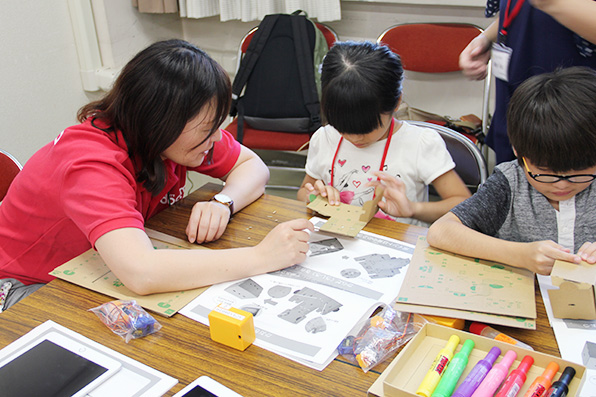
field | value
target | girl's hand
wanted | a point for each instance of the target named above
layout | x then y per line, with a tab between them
588	252
396	202
540	256
320	189
208	221
285	245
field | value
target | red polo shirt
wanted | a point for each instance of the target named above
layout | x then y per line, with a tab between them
77	188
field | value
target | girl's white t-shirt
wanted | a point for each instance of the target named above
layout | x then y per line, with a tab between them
416	155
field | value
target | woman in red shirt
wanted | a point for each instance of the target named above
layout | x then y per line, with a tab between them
97	183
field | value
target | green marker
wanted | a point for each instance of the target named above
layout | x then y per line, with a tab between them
454	370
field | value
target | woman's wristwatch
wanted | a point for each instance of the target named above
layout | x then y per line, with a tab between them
225	200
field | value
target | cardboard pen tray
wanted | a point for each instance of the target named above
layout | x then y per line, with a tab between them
403	376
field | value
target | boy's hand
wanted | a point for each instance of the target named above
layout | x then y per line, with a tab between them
540	256
396	202
319	188
588	252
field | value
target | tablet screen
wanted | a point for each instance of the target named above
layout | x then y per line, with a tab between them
198	391
47	370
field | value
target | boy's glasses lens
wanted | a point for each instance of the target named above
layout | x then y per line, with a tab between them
557	178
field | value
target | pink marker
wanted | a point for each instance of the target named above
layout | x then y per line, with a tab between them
495	377
516	379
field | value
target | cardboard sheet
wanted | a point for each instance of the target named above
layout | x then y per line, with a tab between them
90	271
346	219
437	278
516	322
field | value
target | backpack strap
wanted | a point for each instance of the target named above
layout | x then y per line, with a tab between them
305	69
255	47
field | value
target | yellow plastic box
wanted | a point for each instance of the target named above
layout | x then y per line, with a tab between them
232	327
403	376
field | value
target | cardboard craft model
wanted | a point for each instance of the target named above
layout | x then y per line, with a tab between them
576	296
346	219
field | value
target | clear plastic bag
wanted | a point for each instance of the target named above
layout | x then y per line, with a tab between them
127	319
380	335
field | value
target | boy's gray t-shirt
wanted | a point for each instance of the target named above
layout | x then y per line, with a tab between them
508	207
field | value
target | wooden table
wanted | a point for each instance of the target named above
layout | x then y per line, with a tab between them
183	348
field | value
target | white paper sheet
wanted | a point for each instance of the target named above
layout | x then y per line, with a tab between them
305	311
571	337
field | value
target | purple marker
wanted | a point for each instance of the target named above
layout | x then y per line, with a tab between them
477	374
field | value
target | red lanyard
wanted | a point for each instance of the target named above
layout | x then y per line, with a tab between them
384	151
509	17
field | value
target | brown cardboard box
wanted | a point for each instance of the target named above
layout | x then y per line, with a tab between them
403	376
576	296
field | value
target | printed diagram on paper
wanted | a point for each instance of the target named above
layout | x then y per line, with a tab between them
304	311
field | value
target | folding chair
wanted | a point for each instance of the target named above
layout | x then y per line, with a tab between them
268	144
470	164
9	168
430	57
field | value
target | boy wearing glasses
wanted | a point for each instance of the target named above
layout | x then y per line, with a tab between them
542	206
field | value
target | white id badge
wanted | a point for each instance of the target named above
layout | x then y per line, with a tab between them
500	57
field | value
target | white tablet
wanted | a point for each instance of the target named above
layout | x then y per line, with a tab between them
54	365
206	387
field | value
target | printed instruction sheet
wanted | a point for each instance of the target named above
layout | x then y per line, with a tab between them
303	312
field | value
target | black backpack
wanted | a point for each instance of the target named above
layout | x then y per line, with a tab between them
278	71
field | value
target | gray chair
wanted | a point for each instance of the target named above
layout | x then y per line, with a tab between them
470	164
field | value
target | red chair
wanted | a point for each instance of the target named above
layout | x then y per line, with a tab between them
9	168
273	140
430	57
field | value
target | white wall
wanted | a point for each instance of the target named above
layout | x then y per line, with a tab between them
40	87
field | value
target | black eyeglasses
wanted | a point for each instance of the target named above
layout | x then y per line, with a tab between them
549	178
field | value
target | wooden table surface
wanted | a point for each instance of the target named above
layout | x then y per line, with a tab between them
183	348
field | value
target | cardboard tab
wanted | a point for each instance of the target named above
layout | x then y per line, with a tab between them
346	219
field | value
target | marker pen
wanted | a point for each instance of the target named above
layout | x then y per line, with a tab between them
542	382
454	370
490	332
477	374
495	376
561	387
435	372
516	379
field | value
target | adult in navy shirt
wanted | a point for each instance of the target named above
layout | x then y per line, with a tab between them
531	37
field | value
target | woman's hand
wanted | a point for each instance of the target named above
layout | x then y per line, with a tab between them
285	245
208	221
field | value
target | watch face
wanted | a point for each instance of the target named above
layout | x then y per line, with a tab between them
222	198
